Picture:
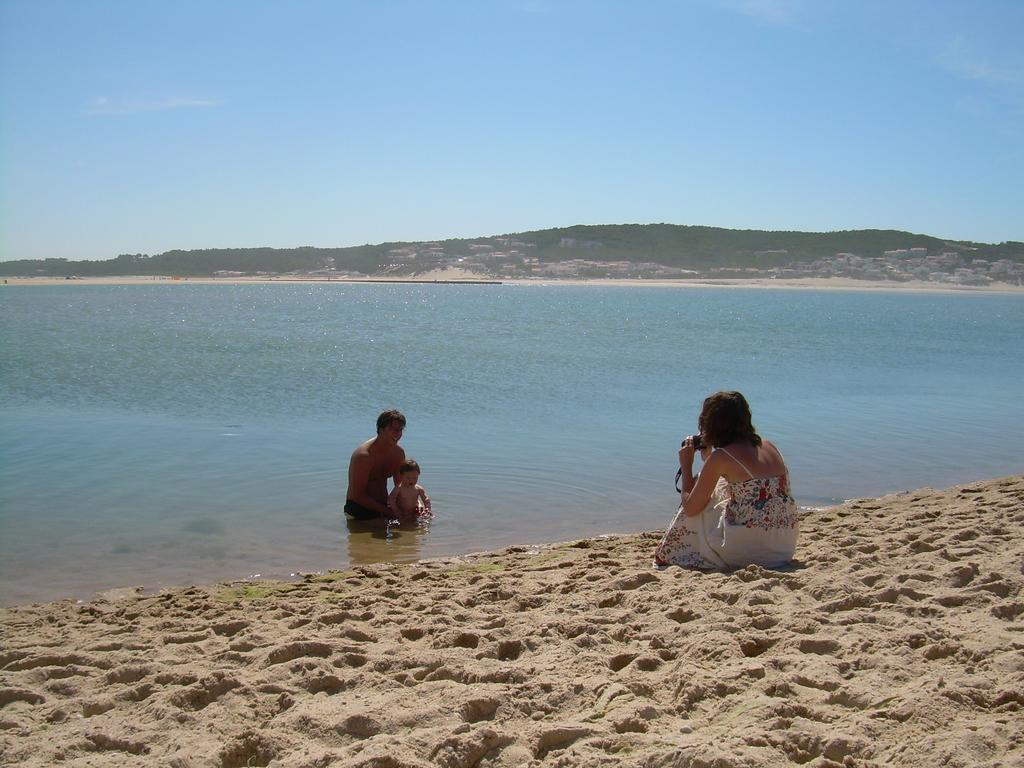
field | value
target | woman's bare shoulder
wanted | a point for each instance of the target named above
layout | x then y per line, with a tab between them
772	455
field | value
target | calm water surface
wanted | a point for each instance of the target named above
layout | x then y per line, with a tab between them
171	434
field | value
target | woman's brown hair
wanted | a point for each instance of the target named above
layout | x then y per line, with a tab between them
725	419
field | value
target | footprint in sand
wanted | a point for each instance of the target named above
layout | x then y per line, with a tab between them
6	657
456	640
476	710
634	581
249	748
467	749
63	688
682	615
647	663
11	695
129	674
559	738
1007	611
509	650
183	639
357	635
93	708
329	684
292	651
941	650
621	661
139	693
996	585
821	646
351	659
230	628
104	743
66	660
175	678
755	646
205	692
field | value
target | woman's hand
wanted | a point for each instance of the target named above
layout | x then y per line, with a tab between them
686	453
698	492
686	465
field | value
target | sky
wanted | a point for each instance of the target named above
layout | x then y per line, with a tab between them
141	127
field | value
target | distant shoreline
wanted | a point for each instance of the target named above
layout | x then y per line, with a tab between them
447	278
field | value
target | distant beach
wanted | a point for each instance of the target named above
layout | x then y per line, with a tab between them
894	639
458	276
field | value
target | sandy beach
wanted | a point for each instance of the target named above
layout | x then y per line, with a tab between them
896	638
452	275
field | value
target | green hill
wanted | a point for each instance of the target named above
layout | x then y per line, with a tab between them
685	247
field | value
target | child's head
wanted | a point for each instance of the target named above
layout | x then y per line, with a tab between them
409	472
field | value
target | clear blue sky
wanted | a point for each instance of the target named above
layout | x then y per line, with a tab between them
144	126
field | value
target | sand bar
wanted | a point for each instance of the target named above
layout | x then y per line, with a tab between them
459	276
897	638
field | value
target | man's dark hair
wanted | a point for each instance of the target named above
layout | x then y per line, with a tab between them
725	419
388	417
408	466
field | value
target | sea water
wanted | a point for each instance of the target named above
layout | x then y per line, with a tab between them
168	434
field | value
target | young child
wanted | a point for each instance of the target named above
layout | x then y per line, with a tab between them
408	500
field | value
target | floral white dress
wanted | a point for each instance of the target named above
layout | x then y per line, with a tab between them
754	521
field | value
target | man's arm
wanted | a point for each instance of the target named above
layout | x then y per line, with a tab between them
359	482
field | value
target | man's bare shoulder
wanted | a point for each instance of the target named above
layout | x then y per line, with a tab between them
362	451
392	460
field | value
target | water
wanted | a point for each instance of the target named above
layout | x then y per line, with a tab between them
173	434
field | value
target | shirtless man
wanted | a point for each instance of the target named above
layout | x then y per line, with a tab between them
371	465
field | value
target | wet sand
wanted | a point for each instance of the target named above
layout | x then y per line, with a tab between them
896	638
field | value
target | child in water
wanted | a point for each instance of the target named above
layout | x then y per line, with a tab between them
408	500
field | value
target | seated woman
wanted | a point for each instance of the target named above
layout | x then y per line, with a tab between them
738	511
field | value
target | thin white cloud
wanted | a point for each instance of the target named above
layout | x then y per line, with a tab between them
105	106
959	58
